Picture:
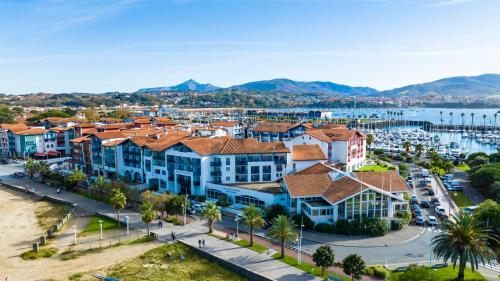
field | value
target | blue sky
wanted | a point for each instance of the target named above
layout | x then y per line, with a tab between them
107	45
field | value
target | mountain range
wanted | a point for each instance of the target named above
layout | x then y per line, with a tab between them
482	85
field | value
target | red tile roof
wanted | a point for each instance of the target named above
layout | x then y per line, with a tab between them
225	145
225	123
275	127
308	152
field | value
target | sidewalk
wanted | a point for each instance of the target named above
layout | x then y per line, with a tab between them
261	264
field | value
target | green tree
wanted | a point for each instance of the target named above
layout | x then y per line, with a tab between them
212	214
252	217
406	146
147	214
353	265
463	240
369	140
91	114
43	169
30	167
118	201
99	184
179	203
76	177
488	214
324	257
274	211
284	230
484	177
419	148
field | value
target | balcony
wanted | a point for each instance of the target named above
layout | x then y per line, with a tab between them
215	164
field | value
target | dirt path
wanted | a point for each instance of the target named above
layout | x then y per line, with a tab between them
19	228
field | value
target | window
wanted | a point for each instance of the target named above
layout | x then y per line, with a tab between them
249	200
255	170
214	194
228	169
157	171
256	177
279	168
228	161
266	169
228	178
241	178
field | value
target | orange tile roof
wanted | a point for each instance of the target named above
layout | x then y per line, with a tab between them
116	126
388	181
80	139
84	125
344	186
225	145
14	127
32	131
308	152
109	135
224	123
164	142
61	129
317	168
274	127
113	143
330	135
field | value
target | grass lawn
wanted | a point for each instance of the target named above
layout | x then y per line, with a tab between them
256	247
92	196
464	167
49	213
461	199
43	252
441	274
165	263
309	268
93	225
373	168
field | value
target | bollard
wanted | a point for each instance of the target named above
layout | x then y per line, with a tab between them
50	234
35	247
54	228
43	240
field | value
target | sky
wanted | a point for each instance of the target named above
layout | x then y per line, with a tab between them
123	45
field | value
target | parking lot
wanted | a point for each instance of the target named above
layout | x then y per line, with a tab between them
429	195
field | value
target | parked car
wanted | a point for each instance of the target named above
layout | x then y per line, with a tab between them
196	208
470	209
420	220
434	201
410	183
430	192
448	177
425	173
414	199
440	211
416	210
425	204
432	221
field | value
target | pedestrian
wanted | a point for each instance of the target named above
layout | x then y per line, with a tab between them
7	278
199	243
203	243
59	190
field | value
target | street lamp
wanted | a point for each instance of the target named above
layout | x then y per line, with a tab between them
184	210
126	220
74	234
100	227
299	252
237	226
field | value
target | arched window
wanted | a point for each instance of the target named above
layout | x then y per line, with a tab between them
214	194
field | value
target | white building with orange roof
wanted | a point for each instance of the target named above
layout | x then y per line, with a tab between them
234	129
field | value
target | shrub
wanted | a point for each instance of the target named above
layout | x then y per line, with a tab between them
378	151
308	223
377	271
325	227
274	211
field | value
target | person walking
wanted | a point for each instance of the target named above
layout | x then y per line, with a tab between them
203	243
199	243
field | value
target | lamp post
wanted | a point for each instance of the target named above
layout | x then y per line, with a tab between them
126	220
299	252
185	215
74	234
237	226
100	227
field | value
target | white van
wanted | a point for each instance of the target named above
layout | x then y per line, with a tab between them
425	173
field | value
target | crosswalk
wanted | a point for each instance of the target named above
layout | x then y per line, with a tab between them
495	266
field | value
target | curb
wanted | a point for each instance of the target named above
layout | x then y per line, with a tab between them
372	246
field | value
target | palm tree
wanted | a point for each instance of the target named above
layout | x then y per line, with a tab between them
99	184
211	213
43	169
147	214
419	148
369	140
284	230
30	167
252	217
463	120
406	146
451	118
118	201
463	240
484	120
76	177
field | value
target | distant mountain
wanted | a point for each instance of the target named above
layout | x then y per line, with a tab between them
482	85
189	85
296	87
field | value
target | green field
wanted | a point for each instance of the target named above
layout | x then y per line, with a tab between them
93	225
373	168
165	263
428	274
461	199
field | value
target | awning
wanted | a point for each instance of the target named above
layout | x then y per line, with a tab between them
39	154
53	153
